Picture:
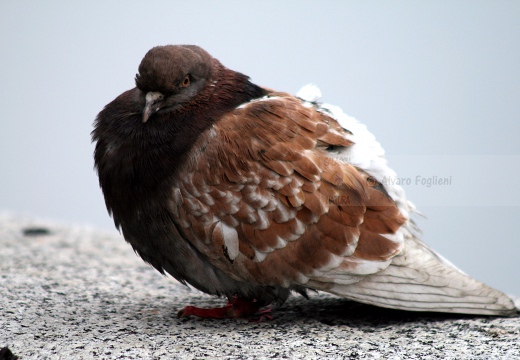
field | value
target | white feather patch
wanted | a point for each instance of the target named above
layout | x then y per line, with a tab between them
230	237
264	98
309	93
300	227
262	222
260	255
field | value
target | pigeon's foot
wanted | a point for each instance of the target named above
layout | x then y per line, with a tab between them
238	307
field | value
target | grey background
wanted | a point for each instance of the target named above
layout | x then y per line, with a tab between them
438	83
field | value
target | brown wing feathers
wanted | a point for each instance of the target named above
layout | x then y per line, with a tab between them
276	208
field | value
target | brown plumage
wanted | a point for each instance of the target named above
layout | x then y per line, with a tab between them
244	192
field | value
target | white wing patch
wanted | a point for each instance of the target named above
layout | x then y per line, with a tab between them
229	237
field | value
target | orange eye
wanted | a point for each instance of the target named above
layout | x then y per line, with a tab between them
186	81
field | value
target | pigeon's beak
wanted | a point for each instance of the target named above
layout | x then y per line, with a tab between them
154	101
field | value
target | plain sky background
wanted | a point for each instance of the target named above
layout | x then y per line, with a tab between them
437	82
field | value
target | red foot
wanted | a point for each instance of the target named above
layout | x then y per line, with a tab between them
236	308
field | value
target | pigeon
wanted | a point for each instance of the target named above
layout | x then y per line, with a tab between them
252	194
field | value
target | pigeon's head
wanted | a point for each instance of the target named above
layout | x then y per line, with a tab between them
171	76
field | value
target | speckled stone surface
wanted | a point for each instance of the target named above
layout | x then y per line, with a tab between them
80	293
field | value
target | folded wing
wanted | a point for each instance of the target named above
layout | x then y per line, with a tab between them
275	194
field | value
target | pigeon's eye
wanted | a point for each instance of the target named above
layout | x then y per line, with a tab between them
186	81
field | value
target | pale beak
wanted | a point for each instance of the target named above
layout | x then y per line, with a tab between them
153	104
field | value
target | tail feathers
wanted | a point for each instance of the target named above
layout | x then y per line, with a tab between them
420	280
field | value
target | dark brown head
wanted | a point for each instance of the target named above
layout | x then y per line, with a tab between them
172	75
144	135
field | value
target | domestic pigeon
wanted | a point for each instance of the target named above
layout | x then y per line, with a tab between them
250	193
